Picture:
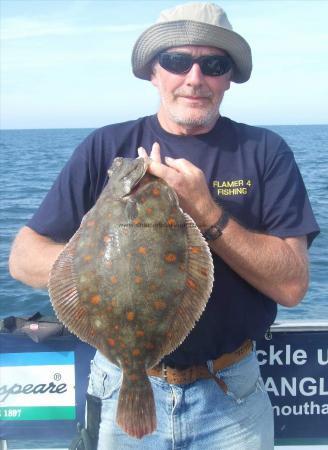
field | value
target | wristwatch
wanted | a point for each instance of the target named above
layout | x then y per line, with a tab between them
216	230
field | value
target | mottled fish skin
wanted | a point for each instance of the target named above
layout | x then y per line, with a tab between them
133	281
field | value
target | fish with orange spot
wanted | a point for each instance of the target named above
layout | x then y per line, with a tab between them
143	317
170	257
142	250
160	305
171	221
95	299
130	315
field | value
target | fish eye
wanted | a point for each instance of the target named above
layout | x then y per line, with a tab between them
131	210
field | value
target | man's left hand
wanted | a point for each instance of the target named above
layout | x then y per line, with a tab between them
189	183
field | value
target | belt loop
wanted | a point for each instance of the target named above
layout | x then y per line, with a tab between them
164	371
218	380
209	364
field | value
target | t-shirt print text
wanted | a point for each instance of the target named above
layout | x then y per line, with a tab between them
232	187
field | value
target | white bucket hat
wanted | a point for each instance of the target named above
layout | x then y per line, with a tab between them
192	24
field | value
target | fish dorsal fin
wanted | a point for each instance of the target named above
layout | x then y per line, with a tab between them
198	287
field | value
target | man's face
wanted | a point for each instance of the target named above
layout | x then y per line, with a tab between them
190	102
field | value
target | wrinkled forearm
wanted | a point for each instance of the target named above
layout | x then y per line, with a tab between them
32	257
276	267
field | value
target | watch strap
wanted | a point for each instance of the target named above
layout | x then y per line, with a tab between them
215	231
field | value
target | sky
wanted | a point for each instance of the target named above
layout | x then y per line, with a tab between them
66	63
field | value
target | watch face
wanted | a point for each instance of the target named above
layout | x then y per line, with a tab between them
212	233
215	230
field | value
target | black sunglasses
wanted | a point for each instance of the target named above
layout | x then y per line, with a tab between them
211	65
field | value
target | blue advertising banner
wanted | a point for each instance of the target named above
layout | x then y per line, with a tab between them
42	386
294	366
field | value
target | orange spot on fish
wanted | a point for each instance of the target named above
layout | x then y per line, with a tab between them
136	221
149	211
191	283
152	287
137	279
111	342
140	333
106	238
149	346
170	257
142	250
91	223
203	271
159	305
136	352
156	192
95	299
113	279
195	250
123	345
130	315
87	258
171	221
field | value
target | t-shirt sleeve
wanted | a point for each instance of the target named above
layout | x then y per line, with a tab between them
286	210
68	200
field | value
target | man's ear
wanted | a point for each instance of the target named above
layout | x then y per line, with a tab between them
153	76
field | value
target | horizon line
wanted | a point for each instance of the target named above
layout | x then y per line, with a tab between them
101	126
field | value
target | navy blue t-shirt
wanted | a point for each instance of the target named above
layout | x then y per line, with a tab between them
250	171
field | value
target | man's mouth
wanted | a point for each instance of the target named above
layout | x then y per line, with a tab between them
195	98
192	101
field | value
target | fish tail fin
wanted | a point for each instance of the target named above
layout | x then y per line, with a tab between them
136	413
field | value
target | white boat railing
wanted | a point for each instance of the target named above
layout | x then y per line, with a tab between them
300	325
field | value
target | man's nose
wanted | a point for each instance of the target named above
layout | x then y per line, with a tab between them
195	76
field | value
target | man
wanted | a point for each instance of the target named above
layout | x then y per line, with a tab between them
243	189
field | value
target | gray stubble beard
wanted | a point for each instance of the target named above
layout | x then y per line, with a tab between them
210	117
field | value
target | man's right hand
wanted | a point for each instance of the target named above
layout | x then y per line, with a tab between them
32	256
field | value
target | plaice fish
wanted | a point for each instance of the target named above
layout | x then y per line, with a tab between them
132	282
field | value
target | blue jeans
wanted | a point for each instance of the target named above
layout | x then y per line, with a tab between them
195	416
